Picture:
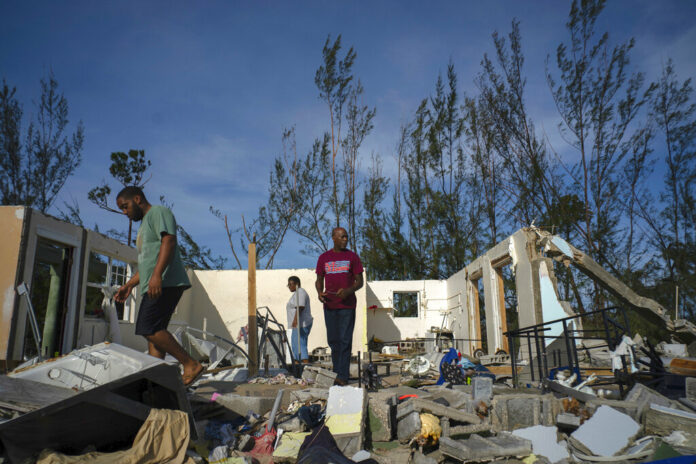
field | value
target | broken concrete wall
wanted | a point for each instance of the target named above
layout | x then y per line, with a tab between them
520	252
382	322
561	250
12	220
217	303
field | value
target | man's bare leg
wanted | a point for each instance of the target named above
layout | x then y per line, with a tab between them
153	351
163	342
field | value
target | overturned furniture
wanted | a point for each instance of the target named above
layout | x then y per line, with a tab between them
119	389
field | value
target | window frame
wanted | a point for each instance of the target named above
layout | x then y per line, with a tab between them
406	292
129	304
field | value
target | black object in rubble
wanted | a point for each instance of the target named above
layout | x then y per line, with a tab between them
370	377
310	415
320	447
451	372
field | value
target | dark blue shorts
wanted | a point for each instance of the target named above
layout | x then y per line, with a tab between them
154	314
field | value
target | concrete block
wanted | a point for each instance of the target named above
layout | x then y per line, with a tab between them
606	432
469	429
568	420
510	412
456	399
345	417
482	389
660	420
382	415
243	404
477	448
420	458
691	388
309	394
645	396
544	442
408	427
292	424
321	378
419	405
525	412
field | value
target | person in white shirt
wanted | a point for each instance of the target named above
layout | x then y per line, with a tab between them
299	316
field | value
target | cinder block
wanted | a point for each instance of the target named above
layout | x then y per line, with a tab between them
382	415
477	448
243	404
510	412
646	396
482	388
320	378
409	427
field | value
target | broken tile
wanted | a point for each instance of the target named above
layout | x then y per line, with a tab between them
607	431
544	442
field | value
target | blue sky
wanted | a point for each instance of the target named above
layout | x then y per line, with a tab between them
207	89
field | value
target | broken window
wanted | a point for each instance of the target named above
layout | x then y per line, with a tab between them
106	272
49	283
405	304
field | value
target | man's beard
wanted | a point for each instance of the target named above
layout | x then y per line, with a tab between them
137	213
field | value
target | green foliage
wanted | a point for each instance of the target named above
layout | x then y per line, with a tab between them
34	173
127	169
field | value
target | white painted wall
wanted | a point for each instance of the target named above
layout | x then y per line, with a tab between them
381	323
218	302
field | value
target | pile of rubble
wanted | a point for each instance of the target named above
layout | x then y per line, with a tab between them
110	404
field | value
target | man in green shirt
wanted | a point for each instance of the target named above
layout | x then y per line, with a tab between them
161	276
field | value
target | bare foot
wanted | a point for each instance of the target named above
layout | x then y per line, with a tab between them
191	374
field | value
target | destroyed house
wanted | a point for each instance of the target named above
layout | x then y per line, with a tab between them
70	274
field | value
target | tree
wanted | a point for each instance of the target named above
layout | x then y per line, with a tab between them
34	174
597	98
127	169
333	80
375	245
671	220
359	119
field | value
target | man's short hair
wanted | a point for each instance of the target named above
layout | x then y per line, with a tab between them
129	192
336	229
295	279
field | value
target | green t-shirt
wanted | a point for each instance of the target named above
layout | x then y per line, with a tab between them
157	221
